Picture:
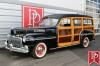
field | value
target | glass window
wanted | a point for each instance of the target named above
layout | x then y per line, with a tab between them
87	22
87	2
99	1
90	22
65	22
49	22
77	22
94	0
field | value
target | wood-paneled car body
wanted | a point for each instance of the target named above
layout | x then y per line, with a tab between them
55	31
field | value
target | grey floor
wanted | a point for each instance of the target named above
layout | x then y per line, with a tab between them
70	56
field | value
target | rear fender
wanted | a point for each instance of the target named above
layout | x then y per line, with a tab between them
87	33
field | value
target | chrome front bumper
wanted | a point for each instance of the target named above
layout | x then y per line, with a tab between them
23	49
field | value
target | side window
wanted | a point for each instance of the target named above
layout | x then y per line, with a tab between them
77	22
65	22
87	22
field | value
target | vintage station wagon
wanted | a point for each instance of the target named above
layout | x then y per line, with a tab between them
55	31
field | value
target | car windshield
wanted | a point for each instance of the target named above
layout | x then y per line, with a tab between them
49	22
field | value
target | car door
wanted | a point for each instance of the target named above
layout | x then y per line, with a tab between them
64	32
77	28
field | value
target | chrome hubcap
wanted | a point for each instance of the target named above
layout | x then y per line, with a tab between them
86	42
41	50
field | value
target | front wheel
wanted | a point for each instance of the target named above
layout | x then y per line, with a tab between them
39	50
85	42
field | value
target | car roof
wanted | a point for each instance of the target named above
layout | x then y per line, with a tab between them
58	16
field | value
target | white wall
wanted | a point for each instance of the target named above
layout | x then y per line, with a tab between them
72	4
10	17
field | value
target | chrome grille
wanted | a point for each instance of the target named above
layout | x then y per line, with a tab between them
15	41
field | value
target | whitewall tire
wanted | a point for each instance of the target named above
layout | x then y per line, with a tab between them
39	50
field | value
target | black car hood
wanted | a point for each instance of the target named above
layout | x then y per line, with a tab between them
34	31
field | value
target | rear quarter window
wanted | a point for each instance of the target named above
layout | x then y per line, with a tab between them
88	22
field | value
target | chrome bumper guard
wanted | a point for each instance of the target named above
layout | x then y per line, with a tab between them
21	49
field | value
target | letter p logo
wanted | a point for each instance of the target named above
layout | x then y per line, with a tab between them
32	16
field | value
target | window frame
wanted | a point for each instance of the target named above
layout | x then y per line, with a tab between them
80	24
88	20
62	21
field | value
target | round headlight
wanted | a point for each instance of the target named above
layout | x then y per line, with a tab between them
24	38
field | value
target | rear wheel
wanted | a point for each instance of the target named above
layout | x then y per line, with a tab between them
85	42
39	50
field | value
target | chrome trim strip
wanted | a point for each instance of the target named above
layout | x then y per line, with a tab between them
40	38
